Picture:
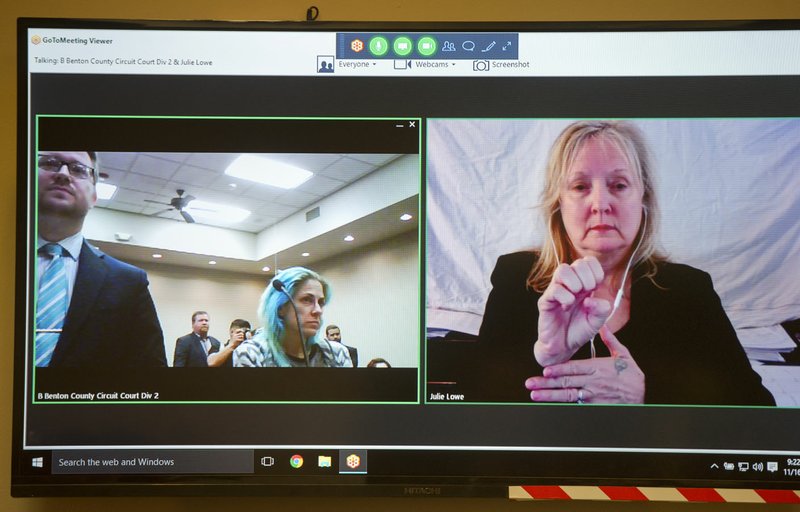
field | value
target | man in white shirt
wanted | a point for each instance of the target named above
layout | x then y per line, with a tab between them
101	313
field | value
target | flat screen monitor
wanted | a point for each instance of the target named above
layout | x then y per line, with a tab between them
406	259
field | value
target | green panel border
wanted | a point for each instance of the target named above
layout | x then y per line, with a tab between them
546	404
420	260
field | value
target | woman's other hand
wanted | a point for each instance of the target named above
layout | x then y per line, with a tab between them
605	380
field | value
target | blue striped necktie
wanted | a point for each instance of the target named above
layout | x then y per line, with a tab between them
51	305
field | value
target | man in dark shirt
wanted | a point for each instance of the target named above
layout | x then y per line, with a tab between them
194	348
333	333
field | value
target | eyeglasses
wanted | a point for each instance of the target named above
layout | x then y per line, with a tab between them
76	169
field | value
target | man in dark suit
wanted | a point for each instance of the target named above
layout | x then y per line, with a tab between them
333	333
194	348
110	320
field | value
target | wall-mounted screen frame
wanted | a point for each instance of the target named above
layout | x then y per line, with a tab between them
473	202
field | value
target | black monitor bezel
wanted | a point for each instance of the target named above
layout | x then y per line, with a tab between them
165	485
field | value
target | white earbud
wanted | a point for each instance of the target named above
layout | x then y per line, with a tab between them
621	291
553	242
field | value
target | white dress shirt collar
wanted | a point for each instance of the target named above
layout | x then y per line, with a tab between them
72	244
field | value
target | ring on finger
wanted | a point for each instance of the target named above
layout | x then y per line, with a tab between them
580	397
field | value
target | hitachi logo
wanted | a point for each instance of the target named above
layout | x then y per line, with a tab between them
424	491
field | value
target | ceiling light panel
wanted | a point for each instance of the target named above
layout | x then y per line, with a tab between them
216	212
268	172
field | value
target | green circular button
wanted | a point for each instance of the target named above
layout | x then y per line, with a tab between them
378	46
403	46
426	46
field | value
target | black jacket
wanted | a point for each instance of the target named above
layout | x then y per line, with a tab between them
190	352
678	334
111	321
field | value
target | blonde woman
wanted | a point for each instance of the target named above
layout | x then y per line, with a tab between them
597	315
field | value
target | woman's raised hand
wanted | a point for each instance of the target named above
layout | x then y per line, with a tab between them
568	314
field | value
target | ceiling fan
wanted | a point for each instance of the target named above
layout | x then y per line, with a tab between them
178	204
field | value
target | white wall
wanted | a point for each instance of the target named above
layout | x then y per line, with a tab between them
392	183
178	292
375	299
168	234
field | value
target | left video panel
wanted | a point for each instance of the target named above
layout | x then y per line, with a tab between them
171	233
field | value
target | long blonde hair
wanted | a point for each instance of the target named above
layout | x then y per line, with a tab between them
628	139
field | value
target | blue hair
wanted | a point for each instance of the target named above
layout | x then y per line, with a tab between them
271	302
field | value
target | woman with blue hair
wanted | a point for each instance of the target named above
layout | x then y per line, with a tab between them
281	341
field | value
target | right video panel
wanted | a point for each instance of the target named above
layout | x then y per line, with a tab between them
607	261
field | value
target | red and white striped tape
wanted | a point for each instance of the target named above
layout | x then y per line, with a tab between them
686	494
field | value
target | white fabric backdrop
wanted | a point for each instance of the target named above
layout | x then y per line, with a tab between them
729	192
